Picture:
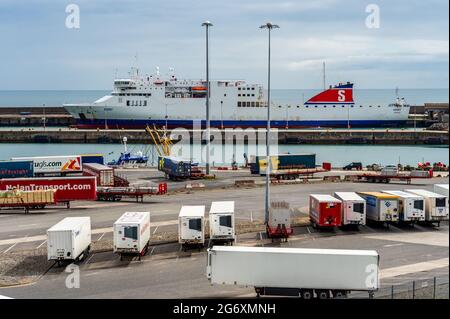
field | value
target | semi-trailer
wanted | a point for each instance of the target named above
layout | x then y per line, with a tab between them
305	273
54	165
67	188
381	207
103	173
70	239
131	234
353	208
191	226
175	168
38	199
324	211
441	189
16	169
279	223
436	205
221	222
411	207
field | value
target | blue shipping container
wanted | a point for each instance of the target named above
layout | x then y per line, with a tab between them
174	168
92	158
16	169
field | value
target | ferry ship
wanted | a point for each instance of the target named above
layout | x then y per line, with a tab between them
166	101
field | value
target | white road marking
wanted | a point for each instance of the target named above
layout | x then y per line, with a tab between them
413	268
156	228
307	228
93	232
423	238
41	244
11	247
101	237
393	245
103	205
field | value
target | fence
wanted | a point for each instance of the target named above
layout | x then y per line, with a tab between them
430	288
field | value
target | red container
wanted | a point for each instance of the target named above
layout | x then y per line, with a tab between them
326	166
104	174
325	211
67	188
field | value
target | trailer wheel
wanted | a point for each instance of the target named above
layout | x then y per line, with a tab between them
340	295
323	294
307	294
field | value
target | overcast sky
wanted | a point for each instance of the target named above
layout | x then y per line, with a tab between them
409	50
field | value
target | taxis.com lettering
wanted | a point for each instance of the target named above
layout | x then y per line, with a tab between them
65	187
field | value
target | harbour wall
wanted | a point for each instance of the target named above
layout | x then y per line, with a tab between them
324	136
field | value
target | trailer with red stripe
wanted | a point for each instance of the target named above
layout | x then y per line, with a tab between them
68	189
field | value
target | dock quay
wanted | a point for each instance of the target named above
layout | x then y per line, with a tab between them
287	136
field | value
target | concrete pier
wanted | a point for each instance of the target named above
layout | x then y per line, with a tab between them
324	136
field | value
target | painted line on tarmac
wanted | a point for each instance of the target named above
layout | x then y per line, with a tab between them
93	232
103	205
414	268
394	245
41	244
11	247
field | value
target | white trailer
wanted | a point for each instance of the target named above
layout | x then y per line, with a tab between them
221	222
411	206
132	233
441	189
301	272
191	226
380	207
353	208
436	205
70	239
60	165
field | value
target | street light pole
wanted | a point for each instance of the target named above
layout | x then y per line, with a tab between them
269	26
207	24
44	119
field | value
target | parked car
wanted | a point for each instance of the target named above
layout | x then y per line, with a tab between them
353	165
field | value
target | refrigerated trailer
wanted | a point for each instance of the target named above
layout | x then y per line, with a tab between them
279	223
132	234
306	273
70	239
411	207
353	208
380	207
324	210
191	226
221	222
441	189
436	205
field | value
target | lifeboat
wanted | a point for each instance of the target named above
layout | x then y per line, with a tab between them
199	89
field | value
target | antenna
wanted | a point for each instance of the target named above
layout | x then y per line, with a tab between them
324	77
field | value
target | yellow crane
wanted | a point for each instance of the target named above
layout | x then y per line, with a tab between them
162	142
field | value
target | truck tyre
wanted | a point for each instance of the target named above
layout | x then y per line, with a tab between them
323	294
307	294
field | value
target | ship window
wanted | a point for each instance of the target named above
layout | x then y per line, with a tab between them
239	104
128	103
248	94
253	94
360	106
239	95
307	106
248	104
225	94
379	105
253	104
140	103
324	106
279	106
370	105
334	105
315	105
145	103
352	105
253	89
239	89
298	106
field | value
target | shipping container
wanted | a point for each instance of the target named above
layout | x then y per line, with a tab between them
92	158
324	210
300	272
67	188
16	169
411	207
381	207
436	205
132	233
279	223
284	162
221	222
353	208
70	239
175	168
104	174
51	165
191	226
